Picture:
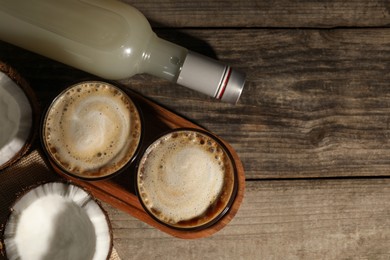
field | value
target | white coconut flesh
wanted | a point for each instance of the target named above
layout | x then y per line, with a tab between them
57	221
15	119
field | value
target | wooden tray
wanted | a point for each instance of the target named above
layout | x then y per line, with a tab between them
119	191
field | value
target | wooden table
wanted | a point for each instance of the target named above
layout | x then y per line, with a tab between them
312	127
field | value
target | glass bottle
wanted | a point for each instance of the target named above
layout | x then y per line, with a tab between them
113	40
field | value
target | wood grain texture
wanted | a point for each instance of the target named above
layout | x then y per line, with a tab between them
263	13
316	106
316	103
326	219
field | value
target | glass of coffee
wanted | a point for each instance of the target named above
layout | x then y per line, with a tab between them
92	130
186	179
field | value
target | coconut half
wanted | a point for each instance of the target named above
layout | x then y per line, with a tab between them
57	221
16	119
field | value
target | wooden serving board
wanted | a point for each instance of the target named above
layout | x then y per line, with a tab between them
119	191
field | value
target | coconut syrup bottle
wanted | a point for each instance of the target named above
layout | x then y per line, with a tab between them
112	40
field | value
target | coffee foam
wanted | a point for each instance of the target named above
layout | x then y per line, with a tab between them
182	176
92	129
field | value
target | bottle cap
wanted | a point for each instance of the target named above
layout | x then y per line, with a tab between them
211	78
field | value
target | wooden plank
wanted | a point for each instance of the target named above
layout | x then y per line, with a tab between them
316	103
326	219
263	13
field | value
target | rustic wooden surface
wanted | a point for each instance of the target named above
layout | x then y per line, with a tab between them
312	127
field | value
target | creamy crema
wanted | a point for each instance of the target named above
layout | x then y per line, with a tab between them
92	129
185	179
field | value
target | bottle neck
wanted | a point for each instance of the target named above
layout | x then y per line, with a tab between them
163	59
176	64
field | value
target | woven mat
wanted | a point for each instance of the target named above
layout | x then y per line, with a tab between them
29	171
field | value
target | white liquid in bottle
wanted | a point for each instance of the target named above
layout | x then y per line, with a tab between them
112	40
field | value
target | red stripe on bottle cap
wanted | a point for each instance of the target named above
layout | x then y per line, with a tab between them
225	82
